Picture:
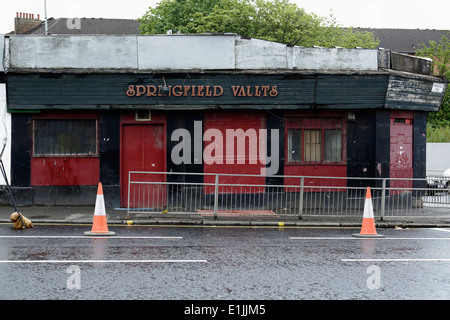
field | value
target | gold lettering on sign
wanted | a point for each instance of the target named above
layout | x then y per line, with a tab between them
140	90
274	91
177	91
130	91
151	91
254	91
207	91
201	91
218	91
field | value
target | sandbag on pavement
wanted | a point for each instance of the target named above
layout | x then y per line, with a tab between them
17	222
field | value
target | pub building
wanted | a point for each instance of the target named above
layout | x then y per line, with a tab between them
86	109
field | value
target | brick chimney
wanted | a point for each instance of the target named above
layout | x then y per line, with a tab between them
25	22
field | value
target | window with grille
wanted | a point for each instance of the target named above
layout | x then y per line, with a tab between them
65	137
401	121
315	140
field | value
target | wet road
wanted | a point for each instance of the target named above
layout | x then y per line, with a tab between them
223	263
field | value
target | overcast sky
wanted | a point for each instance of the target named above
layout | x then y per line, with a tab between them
357	13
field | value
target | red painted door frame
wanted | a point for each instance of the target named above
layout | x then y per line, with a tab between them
146	151
401	150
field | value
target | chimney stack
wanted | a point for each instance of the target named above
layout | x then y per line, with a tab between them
25	22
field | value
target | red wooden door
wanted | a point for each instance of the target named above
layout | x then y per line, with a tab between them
401	158
143	150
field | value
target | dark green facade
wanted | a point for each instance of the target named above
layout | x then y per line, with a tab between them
196	91
367	98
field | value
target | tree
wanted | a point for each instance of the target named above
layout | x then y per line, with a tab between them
227	16
277	20
284	22
440	54
180	15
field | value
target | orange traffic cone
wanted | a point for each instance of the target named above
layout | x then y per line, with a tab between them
368	223
99	226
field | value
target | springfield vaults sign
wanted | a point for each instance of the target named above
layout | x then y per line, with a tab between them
201	91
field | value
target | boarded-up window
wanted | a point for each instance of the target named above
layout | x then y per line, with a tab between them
236	140
65	137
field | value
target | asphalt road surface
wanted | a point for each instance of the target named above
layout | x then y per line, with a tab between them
223	263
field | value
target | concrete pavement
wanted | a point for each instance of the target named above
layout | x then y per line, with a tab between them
84	215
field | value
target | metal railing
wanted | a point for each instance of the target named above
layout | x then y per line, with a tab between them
253	195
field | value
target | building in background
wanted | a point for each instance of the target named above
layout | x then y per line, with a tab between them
27	23
406	41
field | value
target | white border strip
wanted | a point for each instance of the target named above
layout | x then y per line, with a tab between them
441	229
103	261
88	237
393	260
354	238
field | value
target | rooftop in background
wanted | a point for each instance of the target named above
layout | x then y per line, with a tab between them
28	24
405	40
398	40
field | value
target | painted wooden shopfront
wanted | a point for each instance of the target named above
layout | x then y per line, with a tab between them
77	120
109	111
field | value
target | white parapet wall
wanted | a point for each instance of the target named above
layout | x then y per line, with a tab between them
72	52
329	59
206	52
177	52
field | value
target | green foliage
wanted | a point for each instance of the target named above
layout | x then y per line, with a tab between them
438	133
441	118
226	16
277	20
440	53
439	122
284	22
191	16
